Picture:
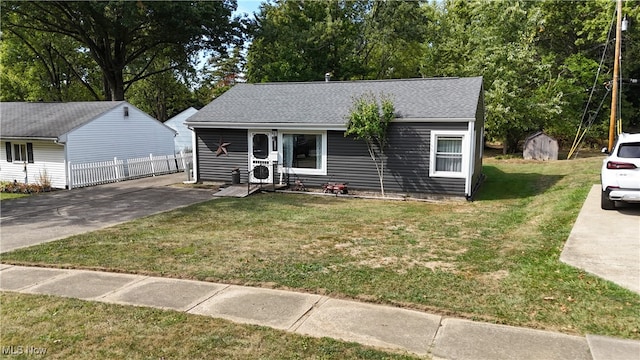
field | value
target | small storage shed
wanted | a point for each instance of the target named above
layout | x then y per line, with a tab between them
44	138
275	131
540	146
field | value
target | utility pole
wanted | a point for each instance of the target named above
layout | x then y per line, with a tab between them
614	90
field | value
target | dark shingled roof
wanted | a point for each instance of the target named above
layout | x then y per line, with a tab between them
330	102
48	120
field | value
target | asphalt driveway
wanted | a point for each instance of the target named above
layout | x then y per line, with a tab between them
47	217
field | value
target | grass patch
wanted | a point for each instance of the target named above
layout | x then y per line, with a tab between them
9	196
495	259
75	329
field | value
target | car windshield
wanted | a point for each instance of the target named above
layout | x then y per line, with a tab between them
629	150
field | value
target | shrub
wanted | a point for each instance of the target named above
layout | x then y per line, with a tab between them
21	188
44	180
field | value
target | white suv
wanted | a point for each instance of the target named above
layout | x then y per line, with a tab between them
620	174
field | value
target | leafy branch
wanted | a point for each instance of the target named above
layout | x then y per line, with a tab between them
369	120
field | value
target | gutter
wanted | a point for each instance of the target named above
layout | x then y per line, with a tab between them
309	126
261	126
26	138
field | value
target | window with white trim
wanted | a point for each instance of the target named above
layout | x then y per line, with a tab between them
448	158
19	152
304	152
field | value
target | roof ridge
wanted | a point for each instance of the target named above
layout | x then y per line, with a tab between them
361	81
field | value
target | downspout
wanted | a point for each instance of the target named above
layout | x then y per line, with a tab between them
472	158
67	173
194	161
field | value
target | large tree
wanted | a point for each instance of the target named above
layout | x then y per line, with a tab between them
35	69
297	40
125	38
220	73
162	95
301	41
539	61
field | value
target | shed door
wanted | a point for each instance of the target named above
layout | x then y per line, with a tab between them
260	157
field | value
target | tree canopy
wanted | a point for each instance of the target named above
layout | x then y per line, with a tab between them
128	41
363	39
539	59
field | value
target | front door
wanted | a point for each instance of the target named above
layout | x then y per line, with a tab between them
260	157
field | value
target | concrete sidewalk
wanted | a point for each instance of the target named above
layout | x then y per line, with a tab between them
383	327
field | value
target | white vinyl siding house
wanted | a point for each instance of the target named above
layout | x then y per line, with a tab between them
184	137
48	161
95	140
81	132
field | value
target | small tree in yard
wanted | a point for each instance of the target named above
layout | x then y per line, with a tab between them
369	120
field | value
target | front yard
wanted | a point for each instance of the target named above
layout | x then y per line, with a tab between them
495	259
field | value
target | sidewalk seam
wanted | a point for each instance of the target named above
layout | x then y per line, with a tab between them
296	324
6	267
132	283
432	344
27	289
207	298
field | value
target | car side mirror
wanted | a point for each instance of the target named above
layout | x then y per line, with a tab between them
605	150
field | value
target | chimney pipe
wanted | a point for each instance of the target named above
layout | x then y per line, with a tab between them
327	77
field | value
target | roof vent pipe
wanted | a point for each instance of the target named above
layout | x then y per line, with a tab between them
327	77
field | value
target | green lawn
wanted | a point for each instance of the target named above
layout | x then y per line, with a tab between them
59	328
495	259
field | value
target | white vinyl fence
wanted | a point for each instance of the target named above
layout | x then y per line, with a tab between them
88	174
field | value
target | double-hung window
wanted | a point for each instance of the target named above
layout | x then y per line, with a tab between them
19	152
304	152
448	158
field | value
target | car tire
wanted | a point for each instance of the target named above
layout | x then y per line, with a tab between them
605	202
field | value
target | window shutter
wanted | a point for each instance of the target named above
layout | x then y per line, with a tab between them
30	153
8	148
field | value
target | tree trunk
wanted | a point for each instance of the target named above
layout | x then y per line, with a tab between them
117	90
381	174
510	145
113	85
379	168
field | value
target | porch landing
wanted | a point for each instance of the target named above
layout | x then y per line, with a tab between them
241	190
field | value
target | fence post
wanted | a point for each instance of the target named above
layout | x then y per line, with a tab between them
153	171
115	166
70	176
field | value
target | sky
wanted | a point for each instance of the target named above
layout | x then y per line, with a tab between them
248	6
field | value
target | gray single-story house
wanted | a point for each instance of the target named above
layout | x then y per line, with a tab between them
276	131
